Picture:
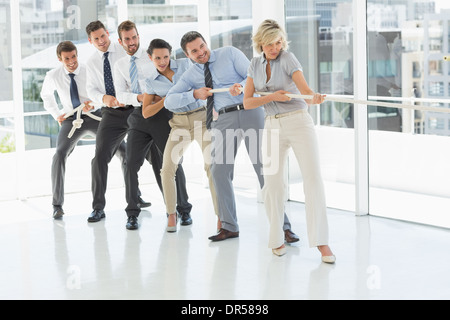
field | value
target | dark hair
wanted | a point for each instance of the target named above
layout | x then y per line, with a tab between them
94	26
127	25
158	44
189	37
65	46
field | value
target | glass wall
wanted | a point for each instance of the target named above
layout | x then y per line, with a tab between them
44	24
5	58
408	150
231	24
321	37
167	20
406	41
7	135
6	95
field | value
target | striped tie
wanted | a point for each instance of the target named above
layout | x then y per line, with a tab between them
134	76
210	100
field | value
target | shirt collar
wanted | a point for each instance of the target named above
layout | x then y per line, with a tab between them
173	66
212	58
137	54
111	48
76	72
278	58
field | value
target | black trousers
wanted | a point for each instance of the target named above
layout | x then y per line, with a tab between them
65	146
141	134
110	138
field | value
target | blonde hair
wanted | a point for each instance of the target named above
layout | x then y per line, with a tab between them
268	32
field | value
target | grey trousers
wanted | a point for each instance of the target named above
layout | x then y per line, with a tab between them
65	146
227	134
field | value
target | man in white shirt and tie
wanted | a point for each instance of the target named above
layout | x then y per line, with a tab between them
114	127
69	81
130	74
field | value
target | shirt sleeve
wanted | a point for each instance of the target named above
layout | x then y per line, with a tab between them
241	64
48	97
291	64
251	69
122	89
92	84
181	94
148	86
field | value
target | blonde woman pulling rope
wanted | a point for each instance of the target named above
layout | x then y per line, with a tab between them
287	125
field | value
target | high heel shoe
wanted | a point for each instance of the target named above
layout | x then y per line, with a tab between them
172	228
329	259
281	251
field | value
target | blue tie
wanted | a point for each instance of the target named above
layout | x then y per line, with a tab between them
74	91
209	100
109	85
134	76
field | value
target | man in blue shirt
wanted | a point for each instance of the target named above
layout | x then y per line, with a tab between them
227	67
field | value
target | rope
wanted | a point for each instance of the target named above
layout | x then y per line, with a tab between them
338	98
76	124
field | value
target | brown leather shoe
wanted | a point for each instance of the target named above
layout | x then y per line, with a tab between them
224	234
290	237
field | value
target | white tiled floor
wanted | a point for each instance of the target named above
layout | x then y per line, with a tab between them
377	258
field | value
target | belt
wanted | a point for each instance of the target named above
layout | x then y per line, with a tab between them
190	112
127	107
232	108
286	114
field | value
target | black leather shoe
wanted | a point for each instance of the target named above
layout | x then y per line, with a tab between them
132	223
290	237
185	219
223	235
58	212
96	216
143	204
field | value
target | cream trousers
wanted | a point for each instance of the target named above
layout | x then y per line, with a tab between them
281	132
186	127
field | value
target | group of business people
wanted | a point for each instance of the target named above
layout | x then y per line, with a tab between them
162	104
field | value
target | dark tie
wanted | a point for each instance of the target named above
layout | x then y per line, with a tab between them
109	85
74	91
209	100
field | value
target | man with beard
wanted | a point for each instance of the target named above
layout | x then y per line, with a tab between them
130	74
113	127
224	67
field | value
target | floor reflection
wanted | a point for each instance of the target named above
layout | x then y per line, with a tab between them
377	258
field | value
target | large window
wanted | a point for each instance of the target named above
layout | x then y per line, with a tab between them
43	25
7	127
231	24
408	172
407	149
321	37
168	20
